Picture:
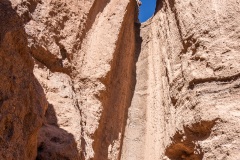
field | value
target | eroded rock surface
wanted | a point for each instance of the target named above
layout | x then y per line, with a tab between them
83	79
187	73
22	100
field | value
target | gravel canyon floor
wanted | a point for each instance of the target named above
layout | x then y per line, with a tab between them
84	80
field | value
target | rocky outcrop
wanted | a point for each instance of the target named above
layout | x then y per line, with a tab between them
186	101
76	48
85	80
22	100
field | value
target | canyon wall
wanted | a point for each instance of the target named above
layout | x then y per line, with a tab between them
83	79
186	101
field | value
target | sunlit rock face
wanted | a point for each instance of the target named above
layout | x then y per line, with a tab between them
85	80
186	99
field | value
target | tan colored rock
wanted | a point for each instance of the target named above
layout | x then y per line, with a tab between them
186	101
101	86
76	47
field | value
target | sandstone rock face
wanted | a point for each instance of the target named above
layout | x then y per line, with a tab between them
83	79
186	101
22	100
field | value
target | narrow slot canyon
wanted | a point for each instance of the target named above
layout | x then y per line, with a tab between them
119	80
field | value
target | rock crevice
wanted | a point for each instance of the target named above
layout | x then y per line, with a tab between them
84	80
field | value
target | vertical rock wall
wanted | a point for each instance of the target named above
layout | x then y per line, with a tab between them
22	100
103	79
83	54
84	80
186	101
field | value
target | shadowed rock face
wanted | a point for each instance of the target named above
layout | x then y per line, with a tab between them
84	80
22	101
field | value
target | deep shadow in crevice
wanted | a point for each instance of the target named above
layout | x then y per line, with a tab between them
159	6
139	41
24	101
138	47
54	142
120	85
50	115
18	93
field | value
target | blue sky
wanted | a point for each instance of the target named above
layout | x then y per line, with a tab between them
146	9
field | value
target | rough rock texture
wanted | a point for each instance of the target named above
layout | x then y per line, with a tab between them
82	79
186	101
22	100
77	51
